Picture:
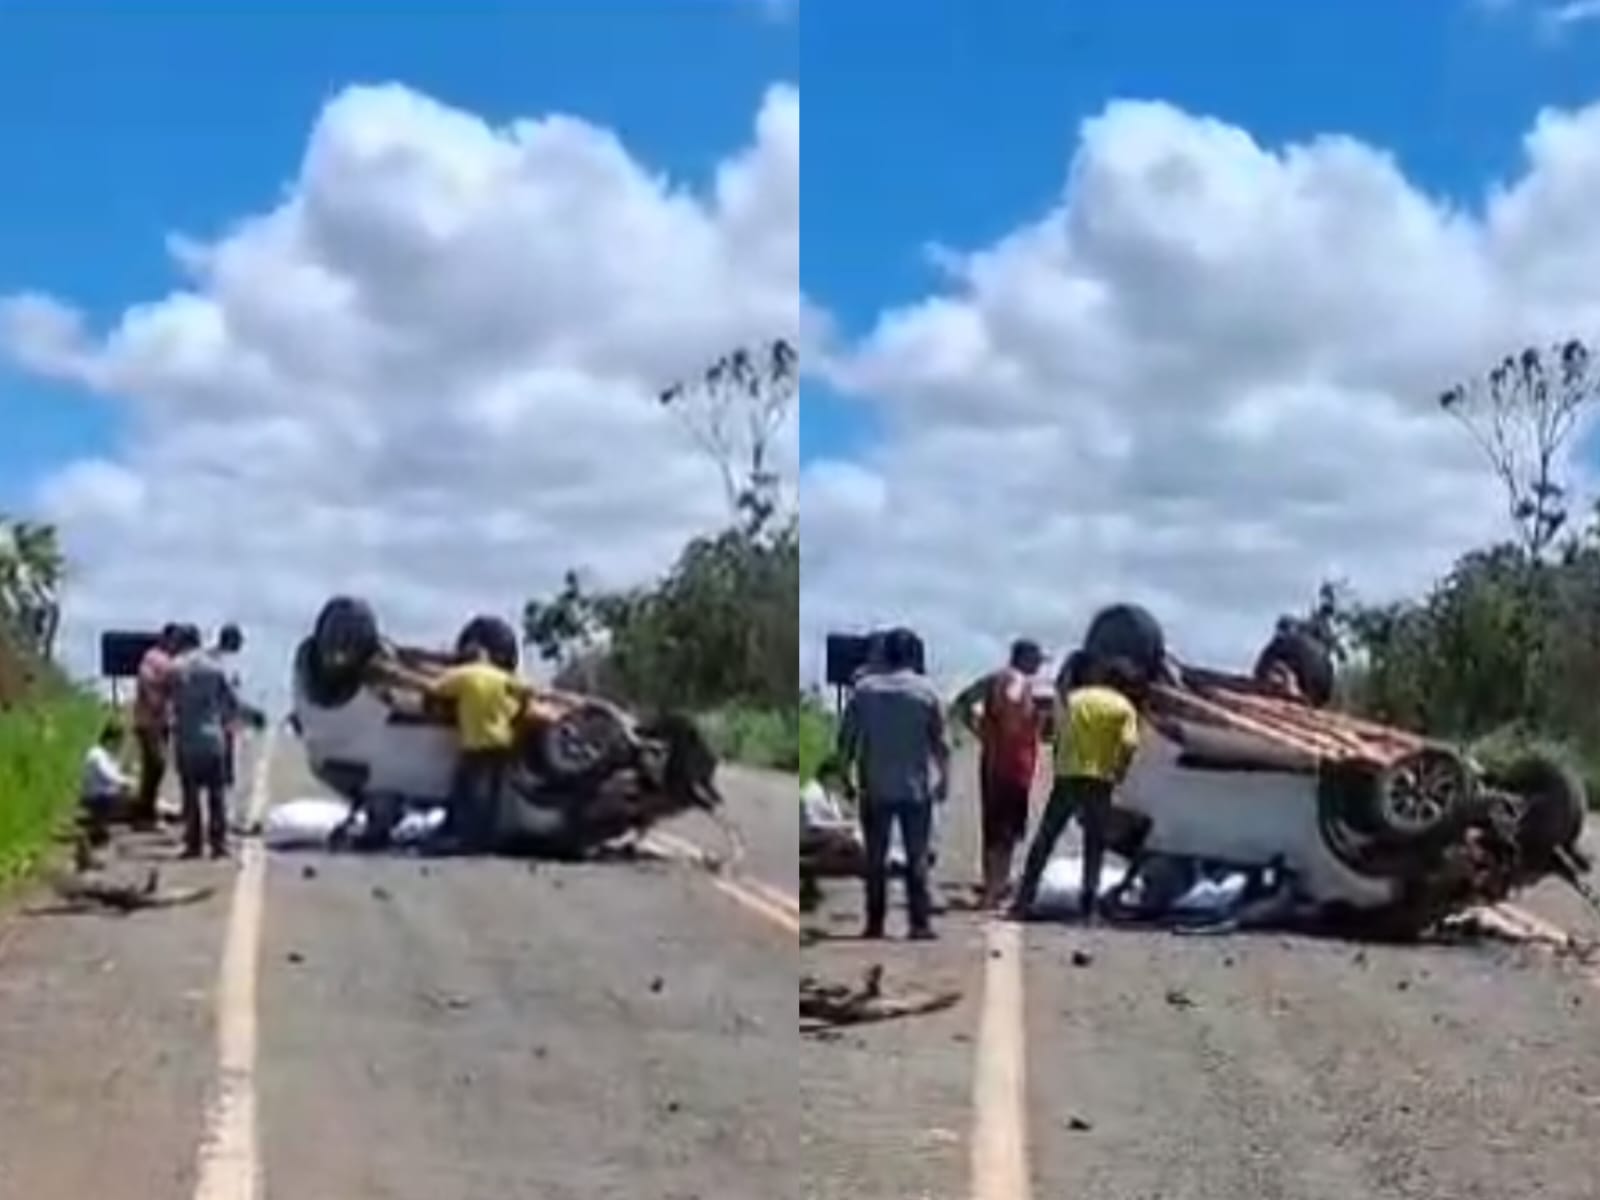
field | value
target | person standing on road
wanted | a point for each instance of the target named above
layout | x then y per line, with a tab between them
230	643
488	701
205	706
152	724
999	711
1097	734
891	738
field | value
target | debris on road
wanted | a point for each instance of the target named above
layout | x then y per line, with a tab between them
1079	1125
101	890
1178	998
827	1005
1082	958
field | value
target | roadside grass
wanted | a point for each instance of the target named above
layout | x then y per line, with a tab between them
817	733
1500	748
756	737
42	744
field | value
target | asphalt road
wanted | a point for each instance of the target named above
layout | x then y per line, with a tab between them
419	1031
1247	1067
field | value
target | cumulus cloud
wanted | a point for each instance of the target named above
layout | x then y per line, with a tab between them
1204	380
426	374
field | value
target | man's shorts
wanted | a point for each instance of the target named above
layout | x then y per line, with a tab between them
1004	805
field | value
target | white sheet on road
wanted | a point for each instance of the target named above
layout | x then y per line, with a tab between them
303	823
1061	885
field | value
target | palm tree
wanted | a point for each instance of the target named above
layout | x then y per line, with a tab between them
32	569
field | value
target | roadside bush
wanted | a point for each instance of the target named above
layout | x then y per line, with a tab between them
817	733
42	743
757	737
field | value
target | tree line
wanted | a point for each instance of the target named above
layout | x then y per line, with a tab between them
720	629
1506	646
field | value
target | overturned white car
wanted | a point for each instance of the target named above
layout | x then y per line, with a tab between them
1386	829
585	773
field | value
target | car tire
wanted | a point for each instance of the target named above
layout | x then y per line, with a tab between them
1421	796
584	742
1307	659
1555	805
1129	632
494	635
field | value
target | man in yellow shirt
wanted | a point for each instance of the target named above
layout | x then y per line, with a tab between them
1096	736
488	702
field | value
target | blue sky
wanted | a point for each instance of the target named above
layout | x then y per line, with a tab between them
120	127
952	121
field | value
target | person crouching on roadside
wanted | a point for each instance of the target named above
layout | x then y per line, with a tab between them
1097	735
106	787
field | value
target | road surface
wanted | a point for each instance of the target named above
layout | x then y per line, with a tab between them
1246	1067
450	1030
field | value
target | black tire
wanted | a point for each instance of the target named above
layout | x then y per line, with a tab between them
689	774
1129	632
322	686
1422	796
584	743
1307	659
346	636
1555	805
494	635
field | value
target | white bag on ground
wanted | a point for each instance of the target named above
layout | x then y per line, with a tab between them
417	826
1060	887
303	823
1212	896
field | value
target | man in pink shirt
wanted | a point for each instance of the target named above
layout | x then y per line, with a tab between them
152	723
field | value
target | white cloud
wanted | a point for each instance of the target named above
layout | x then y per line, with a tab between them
426	375
1204	380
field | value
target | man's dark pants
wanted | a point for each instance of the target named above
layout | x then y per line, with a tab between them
202	778
152	769
1090	800
474	811
878	819
1003	805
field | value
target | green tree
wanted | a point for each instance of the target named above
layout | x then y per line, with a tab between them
32	571
721	627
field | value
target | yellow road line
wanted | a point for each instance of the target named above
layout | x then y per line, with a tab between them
999	1086
230	1161
766	902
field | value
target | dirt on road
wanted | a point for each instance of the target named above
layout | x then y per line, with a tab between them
1191	1068
423	1029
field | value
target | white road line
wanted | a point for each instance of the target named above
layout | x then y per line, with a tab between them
767	903
999	1086
687	848
230	1164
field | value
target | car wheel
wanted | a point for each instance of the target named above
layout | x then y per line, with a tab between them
495	636
322	685
1554	805
1307	659
1422	794
583	741
1129	632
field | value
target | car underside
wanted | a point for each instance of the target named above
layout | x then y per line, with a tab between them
584	771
